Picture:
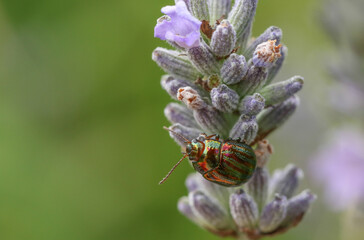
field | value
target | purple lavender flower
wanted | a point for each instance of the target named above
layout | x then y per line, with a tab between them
179	26
339	166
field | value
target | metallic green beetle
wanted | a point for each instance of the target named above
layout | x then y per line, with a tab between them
229	163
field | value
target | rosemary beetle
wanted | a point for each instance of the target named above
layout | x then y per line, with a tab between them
229	163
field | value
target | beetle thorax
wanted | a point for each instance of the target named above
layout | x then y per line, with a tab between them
195	149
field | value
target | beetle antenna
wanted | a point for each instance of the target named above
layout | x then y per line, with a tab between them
179	135
174	167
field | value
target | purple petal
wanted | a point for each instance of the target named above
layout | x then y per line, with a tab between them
180	26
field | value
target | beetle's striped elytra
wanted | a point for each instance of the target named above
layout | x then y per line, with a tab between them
229	163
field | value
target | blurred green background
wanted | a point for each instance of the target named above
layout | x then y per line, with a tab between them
81	113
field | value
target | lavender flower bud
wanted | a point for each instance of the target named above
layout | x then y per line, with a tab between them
203	59
199	9
273	214
185	208
245	128
187	132
207	209
241	17
273	70
171	85
209	119
214	190
177	113
218	9
297	207
258	186
272	33
234	69
191	98
174	64
266	54
243	210
253	80
252	105
286	182
192	182
224	98
223	39
273	117
263	152
278	92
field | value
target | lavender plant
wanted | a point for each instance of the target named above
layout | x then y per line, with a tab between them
223	79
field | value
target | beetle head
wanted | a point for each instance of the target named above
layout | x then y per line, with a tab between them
194	149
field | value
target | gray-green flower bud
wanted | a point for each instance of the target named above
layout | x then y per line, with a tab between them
243	210
223	39
224	98
297	207
185	208
234	69
252	105
177	113
211	121
192	182
214	190
209	210
253	80
286	182
218	9
241	17
245	128
171	85
208	118
258	186
174	64
273	214
273	117
272	33
203	59
199	9
278	92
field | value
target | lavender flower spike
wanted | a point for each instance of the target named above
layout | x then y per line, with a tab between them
179	27
218	78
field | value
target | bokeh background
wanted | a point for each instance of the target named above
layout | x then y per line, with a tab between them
81	113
